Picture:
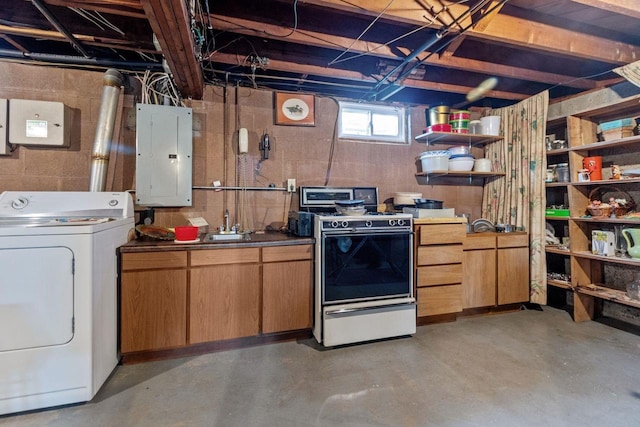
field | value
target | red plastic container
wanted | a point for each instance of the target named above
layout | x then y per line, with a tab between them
441	127
186	232
460	115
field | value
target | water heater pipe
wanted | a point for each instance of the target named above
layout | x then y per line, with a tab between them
113	80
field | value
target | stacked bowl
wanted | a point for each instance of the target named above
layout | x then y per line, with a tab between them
460	159
434	160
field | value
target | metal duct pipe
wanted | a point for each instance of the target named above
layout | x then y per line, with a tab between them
113	80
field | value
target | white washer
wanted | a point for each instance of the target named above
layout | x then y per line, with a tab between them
58	306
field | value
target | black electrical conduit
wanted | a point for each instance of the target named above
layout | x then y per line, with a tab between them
61	28
79	60
393	88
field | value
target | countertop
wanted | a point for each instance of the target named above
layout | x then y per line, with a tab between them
456	220
270	238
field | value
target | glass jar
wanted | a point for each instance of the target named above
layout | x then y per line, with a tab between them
562	172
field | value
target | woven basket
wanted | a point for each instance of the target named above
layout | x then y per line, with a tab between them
598	192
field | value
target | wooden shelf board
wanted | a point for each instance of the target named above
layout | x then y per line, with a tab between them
461	173
559	283
635	221
556	184
609	294
456	138
556	250
607	144
606	182
557	218
557	151
611	259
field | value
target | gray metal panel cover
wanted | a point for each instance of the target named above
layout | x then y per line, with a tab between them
163	155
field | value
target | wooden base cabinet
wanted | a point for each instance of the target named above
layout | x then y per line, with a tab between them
480	271
287	288
496	269
153	295
513	268
173	299
439	269
224	299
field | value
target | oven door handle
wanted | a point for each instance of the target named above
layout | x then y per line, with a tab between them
360	309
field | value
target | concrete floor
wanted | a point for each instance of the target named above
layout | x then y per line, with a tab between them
530	368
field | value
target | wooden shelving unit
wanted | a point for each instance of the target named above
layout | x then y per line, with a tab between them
589	271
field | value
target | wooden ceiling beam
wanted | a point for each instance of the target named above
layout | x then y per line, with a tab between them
88	40
329	41
292	67
622	7
130	8
169	20
501	29
487	15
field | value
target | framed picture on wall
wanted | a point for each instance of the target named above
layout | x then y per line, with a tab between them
295	109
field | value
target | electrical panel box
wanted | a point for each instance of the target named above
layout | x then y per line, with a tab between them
164	145
43	123
4	127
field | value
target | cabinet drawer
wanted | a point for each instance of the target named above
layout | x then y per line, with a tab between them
225	256
478	241
434	255
439	300
513	241
287	253
439	275
438	234
154	260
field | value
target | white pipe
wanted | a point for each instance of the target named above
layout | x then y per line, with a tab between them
113	80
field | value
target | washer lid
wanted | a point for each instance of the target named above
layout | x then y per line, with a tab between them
66	207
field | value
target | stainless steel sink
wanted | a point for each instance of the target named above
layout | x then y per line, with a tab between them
215	237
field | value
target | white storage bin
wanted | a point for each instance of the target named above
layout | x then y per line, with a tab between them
434	161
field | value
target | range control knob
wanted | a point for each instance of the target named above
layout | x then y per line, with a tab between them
345	224
401	222
368	223
392	222
20	203
334	224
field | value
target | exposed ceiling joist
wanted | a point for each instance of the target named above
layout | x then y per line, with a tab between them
290	67
623	7
329	41
501	29
88	40
131	8
170	22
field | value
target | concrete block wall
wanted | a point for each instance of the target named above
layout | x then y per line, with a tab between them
299	152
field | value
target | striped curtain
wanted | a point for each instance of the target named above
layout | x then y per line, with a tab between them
519	197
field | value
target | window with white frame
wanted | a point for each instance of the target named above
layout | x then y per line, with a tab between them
373	123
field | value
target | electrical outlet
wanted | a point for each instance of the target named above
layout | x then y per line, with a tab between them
291	185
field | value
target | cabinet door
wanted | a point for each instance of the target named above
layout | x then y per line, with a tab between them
479	279
224	302
153	306
513	275
287	296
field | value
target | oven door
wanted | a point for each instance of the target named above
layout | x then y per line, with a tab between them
366	265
